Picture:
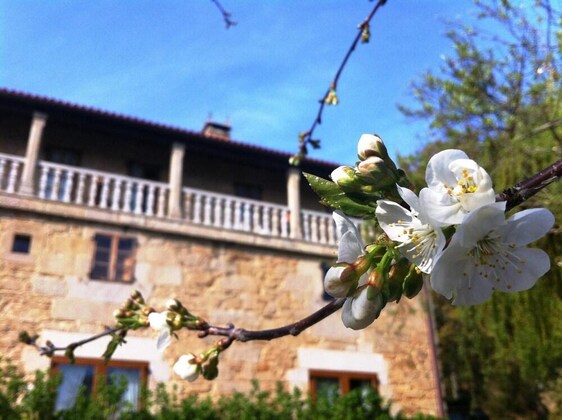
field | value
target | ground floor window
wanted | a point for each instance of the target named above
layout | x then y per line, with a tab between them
85	374
330	384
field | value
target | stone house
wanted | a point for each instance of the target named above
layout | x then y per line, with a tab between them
94	205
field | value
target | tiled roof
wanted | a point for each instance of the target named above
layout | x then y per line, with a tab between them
40	100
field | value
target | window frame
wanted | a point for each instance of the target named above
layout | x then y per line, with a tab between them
100	370
111	272
344	377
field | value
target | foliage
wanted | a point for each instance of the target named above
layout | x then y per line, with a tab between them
498	98
36	400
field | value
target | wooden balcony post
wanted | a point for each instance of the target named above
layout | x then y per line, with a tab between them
33	145
175	180
294	202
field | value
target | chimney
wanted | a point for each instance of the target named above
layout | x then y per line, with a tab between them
217	130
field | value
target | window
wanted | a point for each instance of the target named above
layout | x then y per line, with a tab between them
85	374
21	244
330	384
114	258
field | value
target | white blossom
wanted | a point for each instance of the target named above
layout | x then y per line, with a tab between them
371	145
359	311
488	252
456	186
350	247
159	322
420	241
185	369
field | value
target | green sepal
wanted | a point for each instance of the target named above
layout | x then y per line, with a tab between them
331	195
211	369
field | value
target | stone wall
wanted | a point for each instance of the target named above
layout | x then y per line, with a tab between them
49	292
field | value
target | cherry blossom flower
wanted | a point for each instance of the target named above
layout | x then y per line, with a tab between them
350	247
185	369
360	309
420	241
456	186
488	252
159	322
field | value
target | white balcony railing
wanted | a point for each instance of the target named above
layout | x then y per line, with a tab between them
109	191
104	190
11	168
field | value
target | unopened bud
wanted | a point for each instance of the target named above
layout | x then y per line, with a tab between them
396	275
376	280
173	304
413	282
371	145
356	269
332	98
137	296
118	313
377	172
345	176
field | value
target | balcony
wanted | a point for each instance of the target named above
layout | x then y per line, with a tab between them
143	200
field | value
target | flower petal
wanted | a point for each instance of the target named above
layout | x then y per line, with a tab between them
157	321
442	209
528	265
392	217
164	339
333	285
359	312
349	248
527	226
186	370
479	223
438	172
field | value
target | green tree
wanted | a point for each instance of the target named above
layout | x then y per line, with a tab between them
498	99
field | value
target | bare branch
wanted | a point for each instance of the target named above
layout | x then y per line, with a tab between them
293	329
305	138
227	16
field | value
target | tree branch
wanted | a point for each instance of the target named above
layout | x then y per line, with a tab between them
524	190
294	329
225	14
306	137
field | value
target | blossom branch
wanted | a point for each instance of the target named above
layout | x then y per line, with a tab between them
294	329
305	138
49	348
524	190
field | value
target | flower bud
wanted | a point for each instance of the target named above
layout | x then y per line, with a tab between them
333	283
361	310
413	282
173	304
377	172
396	275
118	313
137	296
371	145
186	368
345	176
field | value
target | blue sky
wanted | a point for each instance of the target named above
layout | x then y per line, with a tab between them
173	62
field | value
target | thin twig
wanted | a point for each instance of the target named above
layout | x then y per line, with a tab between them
225	15
306	137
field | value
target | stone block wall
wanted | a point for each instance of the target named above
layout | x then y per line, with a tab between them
48	291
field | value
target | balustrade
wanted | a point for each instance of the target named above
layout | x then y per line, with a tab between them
103	190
